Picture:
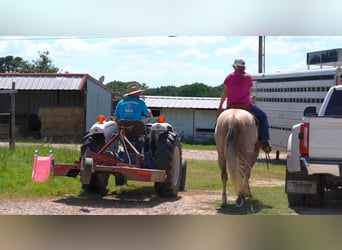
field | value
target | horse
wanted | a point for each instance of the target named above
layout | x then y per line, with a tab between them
236	138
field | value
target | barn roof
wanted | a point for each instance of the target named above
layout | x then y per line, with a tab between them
182	102
46	81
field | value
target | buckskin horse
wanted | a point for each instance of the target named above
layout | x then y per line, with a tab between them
236	138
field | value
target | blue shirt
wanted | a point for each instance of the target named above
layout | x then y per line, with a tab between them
131	108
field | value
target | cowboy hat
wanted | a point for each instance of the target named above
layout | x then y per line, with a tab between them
133	88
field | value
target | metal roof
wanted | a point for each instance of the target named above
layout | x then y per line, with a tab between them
44	81
182	102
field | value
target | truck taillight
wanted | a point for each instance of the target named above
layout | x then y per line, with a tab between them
304	138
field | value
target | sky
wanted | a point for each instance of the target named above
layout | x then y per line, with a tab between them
163	42
163	61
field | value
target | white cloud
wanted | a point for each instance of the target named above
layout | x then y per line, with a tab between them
194	53
245	46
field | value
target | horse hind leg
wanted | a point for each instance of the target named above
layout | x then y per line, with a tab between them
240	201
245	192
224	178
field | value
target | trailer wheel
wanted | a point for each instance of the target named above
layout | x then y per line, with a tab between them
168	157
99	181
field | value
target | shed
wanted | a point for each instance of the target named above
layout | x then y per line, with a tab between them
55	105
193	118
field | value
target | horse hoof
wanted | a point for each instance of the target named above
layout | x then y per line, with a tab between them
239	201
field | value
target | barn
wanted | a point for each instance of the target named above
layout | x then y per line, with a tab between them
53	105
192	117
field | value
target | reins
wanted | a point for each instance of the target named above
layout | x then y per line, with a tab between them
268	159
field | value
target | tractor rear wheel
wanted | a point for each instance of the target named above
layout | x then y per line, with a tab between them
168	157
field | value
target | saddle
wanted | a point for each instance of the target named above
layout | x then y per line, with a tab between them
244	107
239	106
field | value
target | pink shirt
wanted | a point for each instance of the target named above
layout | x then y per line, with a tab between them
238	85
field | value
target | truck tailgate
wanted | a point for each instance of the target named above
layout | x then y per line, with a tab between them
325	138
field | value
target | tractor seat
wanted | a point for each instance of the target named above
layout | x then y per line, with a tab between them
133	128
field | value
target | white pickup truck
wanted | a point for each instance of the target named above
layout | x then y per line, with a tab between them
314	153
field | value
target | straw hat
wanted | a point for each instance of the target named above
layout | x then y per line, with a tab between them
133	88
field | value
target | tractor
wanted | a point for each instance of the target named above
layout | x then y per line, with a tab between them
129	150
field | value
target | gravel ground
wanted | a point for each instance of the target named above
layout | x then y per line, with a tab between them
192	202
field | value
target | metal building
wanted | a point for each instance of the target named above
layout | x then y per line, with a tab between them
36	91
192	117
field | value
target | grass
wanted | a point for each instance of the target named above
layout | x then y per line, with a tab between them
204	146
266	200
16	170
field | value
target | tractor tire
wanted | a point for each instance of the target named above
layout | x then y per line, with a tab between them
168	157
183	178
99	181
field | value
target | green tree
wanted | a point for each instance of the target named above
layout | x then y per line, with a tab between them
196	89
120	88
191	90
10	64
162	91
43	64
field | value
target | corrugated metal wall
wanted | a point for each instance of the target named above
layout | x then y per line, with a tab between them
181	120
29	101
186	121
99	101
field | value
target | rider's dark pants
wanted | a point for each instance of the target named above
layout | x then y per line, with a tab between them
263	121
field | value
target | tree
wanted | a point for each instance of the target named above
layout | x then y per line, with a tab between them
162	91
43	64
10	64
197	90
191	90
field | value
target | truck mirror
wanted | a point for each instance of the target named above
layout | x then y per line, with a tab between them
310	111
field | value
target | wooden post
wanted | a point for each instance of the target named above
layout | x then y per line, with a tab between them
11	113
12	128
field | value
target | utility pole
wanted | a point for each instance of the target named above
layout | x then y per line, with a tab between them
261	55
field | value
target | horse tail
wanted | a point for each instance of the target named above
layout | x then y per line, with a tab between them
237	166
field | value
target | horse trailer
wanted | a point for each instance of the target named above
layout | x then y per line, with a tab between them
284	96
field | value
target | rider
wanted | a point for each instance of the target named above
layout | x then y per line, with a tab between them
132	107
237	90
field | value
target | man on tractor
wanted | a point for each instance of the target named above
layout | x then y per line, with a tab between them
131	107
